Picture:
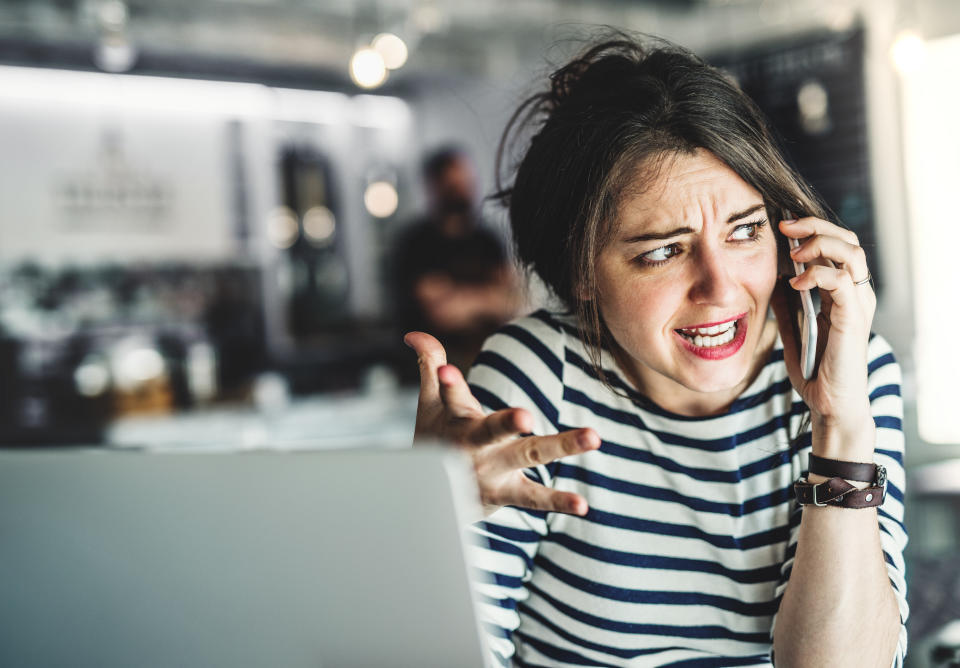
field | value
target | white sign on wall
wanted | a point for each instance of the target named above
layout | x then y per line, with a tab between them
113	193
87	185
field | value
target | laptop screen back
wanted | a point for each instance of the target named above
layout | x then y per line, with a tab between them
321	559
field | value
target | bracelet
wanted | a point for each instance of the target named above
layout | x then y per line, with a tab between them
835	468
839	492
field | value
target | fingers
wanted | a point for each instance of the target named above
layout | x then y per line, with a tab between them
430	357
525	493
535	496
852	258
810	226
835	281
535	450
503	483
836	249
456	395
500	425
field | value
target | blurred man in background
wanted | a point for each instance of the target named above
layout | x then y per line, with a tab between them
453	278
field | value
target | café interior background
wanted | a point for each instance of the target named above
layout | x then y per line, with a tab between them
197	198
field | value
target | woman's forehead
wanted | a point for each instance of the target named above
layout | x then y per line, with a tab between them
684	186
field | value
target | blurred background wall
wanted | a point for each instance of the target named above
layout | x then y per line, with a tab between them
198	198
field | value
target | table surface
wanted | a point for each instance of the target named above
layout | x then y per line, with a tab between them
383	419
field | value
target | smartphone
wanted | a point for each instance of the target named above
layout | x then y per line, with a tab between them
804	315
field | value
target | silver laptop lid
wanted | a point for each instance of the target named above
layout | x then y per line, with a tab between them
320	559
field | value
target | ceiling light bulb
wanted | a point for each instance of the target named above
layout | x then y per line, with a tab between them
392	49
429	18
367	68
908	52
283	229
319	225
113	14
381	199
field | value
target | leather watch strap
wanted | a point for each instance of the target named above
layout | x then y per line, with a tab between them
837	492
833	468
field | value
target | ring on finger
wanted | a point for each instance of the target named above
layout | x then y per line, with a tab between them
866	280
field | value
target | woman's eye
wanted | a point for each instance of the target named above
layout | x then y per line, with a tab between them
748	231
660	255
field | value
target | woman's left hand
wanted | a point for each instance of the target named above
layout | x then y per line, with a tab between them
837	394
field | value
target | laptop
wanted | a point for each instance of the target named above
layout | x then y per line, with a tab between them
288	559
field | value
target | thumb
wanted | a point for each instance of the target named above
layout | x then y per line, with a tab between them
430	357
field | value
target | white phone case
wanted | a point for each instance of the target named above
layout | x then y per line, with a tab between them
808	329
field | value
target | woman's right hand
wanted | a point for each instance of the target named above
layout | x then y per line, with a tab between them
447	411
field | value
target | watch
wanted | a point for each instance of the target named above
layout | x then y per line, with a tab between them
839	492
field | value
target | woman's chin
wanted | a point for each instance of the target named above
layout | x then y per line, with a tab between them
718	386
717	379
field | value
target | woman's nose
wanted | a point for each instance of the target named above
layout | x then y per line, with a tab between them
712	281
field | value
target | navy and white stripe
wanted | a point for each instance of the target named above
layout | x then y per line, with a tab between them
689	542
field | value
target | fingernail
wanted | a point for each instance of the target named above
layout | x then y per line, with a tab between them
788	222
793	281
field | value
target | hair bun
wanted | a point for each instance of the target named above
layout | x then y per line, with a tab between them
597	75
564	81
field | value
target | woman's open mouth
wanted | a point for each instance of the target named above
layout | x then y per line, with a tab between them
715	341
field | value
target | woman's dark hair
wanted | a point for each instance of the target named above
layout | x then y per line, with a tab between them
617	113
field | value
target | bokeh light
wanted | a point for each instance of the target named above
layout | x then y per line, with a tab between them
367	68
381	199
909	52
319	224
282	227
392	49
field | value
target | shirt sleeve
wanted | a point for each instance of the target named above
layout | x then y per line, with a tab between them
518	367
886	403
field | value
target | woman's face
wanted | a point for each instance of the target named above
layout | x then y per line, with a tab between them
685	284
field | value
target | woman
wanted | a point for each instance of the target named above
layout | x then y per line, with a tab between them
637	455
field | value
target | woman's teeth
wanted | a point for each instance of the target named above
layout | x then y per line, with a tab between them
710	337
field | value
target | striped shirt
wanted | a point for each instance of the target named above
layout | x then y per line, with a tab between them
687	547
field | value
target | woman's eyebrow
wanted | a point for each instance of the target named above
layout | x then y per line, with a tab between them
657	236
